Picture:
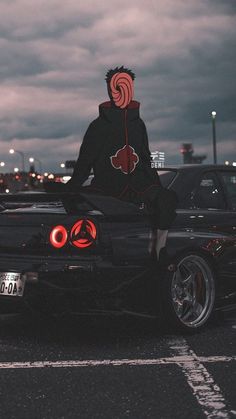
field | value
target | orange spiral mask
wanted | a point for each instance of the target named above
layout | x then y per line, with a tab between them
122	89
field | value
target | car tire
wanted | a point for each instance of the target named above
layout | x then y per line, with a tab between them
188	292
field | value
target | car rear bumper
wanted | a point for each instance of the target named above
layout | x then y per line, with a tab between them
29	263
88	283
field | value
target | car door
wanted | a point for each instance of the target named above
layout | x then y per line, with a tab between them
228	181
214	214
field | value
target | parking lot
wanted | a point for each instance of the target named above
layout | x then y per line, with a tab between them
86	367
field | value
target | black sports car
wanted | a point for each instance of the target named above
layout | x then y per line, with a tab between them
89	253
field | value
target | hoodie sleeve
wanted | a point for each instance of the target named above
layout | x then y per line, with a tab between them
87	154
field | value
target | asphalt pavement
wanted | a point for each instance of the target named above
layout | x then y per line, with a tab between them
115	368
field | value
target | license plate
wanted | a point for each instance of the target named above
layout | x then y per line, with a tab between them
12	284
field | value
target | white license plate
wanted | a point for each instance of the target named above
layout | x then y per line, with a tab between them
12	284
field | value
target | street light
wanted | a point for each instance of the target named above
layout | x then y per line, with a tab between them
16	170
213	118
2	163
12	151
32	159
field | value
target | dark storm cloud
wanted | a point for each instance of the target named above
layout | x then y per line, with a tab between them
16	61
54	56
51	127
225	6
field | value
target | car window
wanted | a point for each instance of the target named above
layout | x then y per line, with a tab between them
207	194
166	177
229	180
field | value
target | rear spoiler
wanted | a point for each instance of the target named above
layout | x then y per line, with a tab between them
36	197
106	204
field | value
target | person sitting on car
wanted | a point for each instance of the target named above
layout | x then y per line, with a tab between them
115	147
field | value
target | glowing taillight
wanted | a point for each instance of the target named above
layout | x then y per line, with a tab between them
83	233
58	236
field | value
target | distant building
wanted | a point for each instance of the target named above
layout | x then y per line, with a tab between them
188	157
157	159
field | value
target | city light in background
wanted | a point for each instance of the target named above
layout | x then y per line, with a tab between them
12	151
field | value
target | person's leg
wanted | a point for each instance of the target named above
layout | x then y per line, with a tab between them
162	214
157	241
161	241
152	243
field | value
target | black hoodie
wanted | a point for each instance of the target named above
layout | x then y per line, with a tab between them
116	147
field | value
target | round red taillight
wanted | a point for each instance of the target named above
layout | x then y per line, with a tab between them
58	236
83	233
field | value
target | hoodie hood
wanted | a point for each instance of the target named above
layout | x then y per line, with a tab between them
115	115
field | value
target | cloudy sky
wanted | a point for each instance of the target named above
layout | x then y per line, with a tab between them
54	55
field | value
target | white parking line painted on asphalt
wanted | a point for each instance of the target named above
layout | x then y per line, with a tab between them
179	360
206	391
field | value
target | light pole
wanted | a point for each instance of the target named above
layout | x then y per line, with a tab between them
213	118
12	151
32	159
63	166
2	163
